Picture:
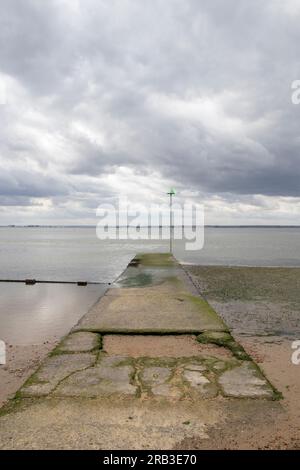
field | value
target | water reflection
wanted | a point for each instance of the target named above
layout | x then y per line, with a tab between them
33	314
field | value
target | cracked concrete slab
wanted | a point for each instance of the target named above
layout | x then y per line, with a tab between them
80	342
152	312
99	381
110	376
117	376
53	371
245	381
80	375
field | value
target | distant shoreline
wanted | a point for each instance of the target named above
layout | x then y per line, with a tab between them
148	226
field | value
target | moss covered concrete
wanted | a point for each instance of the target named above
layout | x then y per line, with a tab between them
224	339
159	260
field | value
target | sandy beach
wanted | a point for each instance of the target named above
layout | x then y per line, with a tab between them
22	361
262	306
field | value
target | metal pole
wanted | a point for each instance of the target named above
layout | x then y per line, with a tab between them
171	224
171	194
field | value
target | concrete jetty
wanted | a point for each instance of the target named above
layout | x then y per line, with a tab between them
151	364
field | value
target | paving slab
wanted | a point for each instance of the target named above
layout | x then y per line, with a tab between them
99	381
84	376
54	370
151	313
245	381
80	342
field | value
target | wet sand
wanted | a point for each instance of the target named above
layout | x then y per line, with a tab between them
21	362
253	301
262	307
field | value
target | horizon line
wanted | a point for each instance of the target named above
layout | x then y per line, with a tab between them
150	226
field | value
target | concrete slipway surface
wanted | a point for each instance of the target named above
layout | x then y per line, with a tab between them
150	366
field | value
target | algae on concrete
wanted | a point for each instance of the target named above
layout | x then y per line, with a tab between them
152	312
81	341
156	259
99	381
53	371
224	339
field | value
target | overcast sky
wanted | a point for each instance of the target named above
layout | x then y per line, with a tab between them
108	97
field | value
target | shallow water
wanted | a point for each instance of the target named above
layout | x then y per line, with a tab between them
31	314
43	312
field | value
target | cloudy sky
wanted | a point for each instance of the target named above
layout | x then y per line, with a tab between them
107	97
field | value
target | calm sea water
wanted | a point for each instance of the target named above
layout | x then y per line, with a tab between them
76	253
31	314
34	314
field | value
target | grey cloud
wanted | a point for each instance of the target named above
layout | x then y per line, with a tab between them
30	184
128	72
17	201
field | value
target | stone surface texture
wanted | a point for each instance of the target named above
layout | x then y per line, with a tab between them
80	342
